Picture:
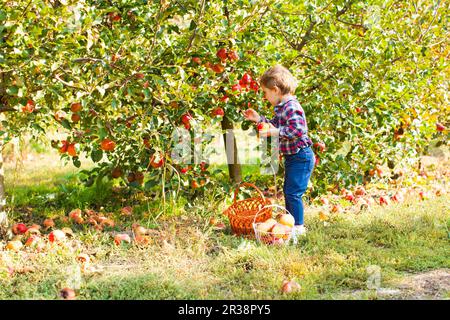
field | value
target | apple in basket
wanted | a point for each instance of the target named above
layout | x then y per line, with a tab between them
287	220
280	231
266	226
277	241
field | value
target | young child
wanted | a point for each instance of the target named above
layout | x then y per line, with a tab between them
289	125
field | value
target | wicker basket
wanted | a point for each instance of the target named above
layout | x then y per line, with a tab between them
243	213
269	237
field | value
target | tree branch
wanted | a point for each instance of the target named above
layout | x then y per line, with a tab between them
431	23
396	59
306	37
284	34
317	86
23	15
68	84
345	8
191	39
5	109
87	59
353	24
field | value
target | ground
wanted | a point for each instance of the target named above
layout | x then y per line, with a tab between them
398	251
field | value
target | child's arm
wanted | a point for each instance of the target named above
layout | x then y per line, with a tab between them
273	122
296	123
251	114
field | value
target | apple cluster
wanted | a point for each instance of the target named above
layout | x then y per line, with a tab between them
273	231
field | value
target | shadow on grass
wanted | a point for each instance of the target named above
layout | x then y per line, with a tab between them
64	192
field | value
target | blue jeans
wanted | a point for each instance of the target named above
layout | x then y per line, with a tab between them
298	169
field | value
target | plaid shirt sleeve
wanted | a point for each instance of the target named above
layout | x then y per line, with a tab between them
295	122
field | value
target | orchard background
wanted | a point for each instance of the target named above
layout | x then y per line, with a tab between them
116	79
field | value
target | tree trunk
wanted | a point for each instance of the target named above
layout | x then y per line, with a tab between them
234	167
3	216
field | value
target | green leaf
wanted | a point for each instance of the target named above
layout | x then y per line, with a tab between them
76	162
344	150
96	155
151	183
102	133
66	124
193	25
12	91
38	127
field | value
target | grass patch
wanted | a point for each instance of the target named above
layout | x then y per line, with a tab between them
188	259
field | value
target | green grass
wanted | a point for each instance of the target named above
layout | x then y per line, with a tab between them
190	260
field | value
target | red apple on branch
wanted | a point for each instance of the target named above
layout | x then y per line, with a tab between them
29	107
218	112
440	127
232	55
107	145
222	54
320	146
76	107
196	60
246	79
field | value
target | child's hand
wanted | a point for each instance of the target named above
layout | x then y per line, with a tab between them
252	115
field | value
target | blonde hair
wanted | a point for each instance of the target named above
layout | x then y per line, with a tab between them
280	77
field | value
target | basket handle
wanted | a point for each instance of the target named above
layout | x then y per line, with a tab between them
247	184
269	206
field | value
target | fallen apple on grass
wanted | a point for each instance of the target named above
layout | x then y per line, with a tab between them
19	228
398	197
75	214
57	236
33	230
83	258
384	200
14	245
360	191
289	286
350	197
121	237
139	230
126	211
106	222
67	294
142	239
48	223
34	241
337	208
